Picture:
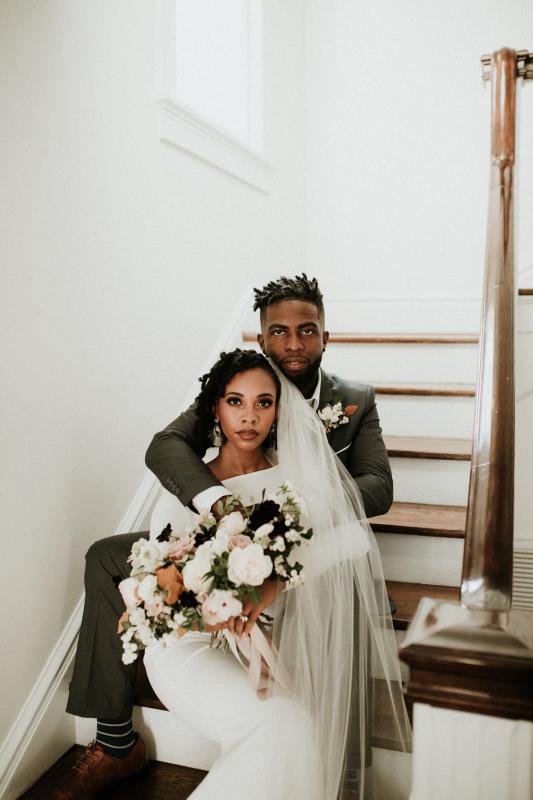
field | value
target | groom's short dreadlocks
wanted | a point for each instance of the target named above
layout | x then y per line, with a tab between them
298	288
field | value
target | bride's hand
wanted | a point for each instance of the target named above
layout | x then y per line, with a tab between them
269	590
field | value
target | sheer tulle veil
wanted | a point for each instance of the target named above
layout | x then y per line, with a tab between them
334	638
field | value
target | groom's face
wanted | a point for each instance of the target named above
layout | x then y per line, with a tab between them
293	335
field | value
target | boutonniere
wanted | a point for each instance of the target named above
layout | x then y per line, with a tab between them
335	415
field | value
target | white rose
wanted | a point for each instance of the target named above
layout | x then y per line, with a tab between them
195	569
249	565
147	587
219	606
128	588
232	523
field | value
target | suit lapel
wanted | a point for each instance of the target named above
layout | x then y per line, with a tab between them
326	390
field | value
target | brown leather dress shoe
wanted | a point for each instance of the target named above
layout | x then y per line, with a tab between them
95	771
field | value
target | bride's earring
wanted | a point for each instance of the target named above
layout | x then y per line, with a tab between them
217	437
272	437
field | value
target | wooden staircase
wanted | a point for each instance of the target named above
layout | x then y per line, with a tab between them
409	440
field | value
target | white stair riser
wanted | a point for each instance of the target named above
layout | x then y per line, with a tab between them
403	363
421	559
400	363
428	480
407	415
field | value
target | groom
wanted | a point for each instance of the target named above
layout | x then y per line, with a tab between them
293	335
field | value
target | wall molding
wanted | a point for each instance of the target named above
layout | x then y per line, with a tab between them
19	737
184	127
188	130
30	716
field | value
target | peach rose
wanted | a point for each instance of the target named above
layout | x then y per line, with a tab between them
170	578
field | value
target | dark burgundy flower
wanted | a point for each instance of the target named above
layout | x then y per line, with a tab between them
164	536
188	600
263	513
203	536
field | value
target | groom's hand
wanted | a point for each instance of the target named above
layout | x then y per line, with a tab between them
215	508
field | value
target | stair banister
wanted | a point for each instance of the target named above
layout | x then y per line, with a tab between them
488	559
476	656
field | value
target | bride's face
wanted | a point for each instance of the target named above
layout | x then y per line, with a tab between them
247	409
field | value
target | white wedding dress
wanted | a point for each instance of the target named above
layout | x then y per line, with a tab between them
267	747
337	671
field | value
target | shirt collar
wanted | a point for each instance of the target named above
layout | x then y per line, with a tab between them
314	400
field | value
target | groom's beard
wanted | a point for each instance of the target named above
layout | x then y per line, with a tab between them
306	380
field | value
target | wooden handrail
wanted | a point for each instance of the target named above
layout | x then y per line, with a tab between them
488	559
477	656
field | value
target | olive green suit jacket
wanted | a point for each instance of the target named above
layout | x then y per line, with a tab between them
175	453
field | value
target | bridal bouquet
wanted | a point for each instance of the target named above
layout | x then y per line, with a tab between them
186	580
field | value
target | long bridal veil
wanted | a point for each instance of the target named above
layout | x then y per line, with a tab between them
333	635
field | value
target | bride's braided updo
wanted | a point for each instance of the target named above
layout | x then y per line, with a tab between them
215	381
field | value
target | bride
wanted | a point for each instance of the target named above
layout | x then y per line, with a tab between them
337	674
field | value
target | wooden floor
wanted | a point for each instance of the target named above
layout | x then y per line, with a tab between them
159	781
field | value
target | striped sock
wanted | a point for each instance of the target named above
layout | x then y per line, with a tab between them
116	738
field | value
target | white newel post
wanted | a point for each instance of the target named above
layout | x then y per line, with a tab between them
473	756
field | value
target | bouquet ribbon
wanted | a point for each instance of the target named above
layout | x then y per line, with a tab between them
255	648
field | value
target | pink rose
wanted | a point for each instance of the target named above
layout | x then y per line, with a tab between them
181	548
239	540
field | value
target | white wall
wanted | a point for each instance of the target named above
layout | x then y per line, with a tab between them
398	144
121	256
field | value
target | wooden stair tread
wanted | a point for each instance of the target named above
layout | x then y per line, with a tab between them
408	595
525	292
427	389
390	338
425	447
422	519
160	781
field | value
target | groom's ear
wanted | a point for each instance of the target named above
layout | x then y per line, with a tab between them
325	339
261	341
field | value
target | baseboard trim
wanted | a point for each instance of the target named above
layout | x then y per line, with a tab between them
39	699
